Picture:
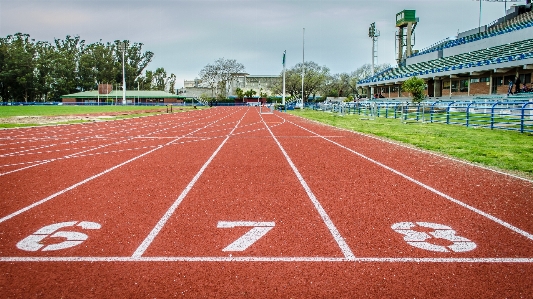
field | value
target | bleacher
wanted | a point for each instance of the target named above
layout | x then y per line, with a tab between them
490	56
522	21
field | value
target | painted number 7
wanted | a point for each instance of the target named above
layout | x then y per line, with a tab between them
259	229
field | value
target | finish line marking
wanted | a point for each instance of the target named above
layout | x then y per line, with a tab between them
270	259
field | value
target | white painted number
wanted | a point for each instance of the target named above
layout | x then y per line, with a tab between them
418	239
32	242
259	230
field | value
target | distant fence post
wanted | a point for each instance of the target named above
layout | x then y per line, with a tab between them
431	112
448	113
468	114
492	115
523	115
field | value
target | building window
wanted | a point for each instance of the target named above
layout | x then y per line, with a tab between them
485	79
446	85
474	80
463	85
525	78
507	79
454	86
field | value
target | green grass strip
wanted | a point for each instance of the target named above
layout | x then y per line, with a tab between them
54	110
503	150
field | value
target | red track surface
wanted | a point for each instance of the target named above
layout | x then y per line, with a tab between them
341	214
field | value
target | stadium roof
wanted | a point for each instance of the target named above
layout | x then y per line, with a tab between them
144	94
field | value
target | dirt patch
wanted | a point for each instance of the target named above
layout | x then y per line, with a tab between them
56	119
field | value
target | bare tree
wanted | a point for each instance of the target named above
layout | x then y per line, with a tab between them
365	71
209	75
220	73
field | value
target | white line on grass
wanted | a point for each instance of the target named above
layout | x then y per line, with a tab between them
323	214
38	203
159	226
471	208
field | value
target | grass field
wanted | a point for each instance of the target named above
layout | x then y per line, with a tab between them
504	150
53	110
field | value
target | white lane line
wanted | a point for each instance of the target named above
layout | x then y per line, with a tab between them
95	176
99	146
471	208
323	214
159	226
272	259
411	147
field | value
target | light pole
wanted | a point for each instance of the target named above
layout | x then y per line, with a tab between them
283	98
122	47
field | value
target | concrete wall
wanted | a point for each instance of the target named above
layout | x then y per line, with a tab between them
421	58
196	92
497	40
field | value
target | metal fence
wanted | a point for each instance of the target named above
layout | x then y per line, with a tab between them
505	115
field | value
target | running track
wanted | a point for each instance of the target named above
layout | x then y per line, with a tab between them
229	202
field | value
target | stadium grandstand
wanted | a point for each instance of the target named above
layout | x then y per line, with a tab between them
479	62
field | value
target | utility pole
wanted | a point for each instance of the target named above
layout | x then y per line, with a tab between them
122	47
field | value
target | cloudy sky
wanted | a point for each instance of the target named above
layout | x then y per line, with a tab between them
185	35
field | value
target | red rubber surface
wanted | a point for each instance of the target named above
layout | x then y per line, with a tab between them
160	186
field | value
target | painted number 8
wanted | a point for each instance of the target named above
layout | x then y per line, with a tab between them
418	239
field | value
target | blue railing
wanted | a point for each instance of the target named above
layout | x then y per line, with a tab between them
513	115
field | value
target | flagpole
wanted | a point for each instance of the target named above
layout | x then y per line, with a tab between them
303	65
283	98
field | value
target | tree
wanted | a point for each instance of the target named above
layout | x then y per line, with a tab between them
160	79
66	60
416	87
17	57
145	82
314	80
364	72
220	74
43	71
250	93
240	93
172	83
35	71
209	75
136	61
337	85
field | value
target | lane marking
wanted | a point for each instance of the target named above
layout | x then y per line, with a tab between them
85	138
346	251
259	229
38	203
159	226
272	259
33	241
412	147
418	239
464	205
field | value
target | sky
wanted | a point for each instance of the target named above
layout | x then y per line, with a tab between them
186	35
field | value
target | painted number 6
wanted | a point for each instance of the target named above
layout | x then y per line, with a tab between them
418	239
71	239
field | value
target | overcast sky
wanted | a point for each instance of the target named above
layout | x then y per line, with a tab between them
185	35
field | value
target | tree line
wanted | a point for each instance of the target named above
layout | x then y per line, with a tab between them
318	80
40	71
